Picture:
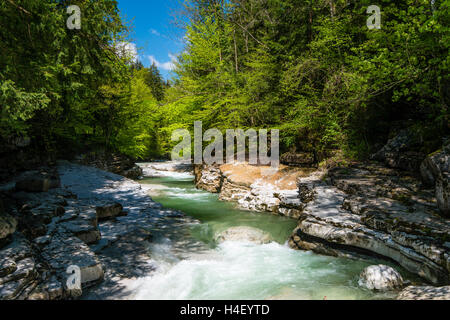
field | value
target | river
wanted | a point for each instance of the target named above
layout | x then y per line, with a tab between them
234	270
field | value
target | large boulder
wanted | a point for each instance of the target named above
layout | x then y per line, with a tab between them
435	165
400	151
302	159
38	181
435	171
109	211
380	277
208	177
443	194
133	173
244	234
8	225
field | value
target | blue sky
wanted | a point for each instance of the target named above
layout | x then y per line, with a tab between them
153	32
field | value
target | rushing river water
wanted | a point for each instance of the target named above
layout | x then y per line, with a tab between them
241	271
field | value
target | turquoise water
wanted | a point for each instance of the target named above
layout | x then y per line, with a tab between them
241	271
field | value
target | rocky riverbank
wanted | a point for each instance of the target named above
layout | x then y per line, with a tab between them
74	215
355	210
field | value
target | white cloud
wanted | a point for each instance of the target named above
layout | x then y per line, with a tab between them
127	49
155	32
169	65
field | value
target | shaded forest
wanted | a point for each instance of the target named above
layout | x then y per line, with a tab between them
310	68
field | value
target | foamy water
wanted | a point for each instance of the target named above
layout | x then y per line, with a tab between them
239	270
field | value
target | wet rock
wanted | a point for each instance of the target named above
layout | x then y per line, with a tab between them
8	225
380	226
109	211
381	278
245	234
425	293
168	166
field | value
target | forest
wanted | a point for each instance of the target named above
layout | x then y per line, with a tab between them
310	68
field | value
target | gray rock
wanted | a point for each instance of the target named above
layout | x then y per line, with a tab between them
435	171
83	230
43	240
399	152
443	194
17	250
244	234
434	165
37	182
109	211
9	290
64	252
208	177
390	231
381	278
302	159
7	267
425	293
24	269
8	225
134	173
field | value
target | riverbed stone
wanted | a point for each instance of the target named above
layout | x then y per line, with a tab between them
380	277
300	159
8	225
63	252
109	211
7	266
245	234
400	151
35	181
83	230
434	165
208	177
443	194
133	173
425	293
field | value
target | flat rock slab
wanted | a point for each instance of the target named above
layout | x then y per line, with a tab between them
62	252
425	293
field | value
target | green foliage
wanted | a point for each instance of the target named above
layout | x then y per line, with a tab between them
314	70
309	68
